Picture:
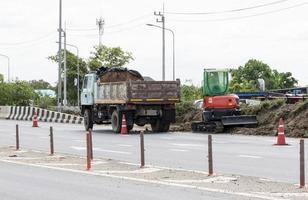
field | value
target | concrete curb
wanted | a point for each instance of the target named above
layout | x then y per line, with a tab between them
27	113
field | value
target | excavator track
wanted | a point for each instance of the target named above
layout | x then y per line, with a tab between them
211	127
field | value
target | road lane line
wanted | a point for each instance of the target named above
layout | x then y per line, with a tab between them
187	145
179	150
214	190
99	149
166	138
249	156
125	145
78	148
112	151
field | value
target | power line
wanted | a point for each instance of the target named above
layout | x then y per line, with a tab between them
227	11
243	17
142	17
29	41
146	16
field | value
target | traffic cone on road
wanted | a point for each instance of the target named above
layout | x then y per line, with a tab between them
124	125
35	124
281	139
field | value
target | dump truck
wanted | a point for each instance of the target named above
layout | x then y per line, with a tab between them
109	94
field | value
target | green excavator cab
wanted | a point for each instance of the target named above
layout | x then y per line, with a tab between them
215	82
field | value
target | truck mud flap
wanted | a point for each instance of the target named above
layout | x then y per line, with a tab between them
250	120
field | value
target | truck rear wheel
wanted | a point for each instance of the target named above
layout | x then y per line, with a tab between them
160	126
116	121
88	119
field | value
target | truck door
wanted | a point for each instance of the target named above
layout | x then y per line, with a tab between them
87	97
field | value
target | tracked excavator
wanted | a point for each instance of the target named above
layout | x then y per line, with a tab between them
220	109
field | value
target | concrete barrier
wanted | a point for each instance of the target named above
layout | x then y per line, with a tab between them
27	113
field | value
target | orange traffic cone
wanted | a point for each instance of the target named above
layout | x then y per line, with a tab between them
35	124
281	139
124	126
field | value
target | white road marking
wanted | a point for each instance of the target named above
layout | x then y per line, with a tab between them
79	141
44	137
218	179
112	151
138	171
187	145
78	148
245	194
60	164
166	138
299	194
249	156
102	150
179	150
125	145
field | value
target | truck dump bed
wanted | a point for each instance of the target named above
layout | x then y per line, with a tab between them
138	92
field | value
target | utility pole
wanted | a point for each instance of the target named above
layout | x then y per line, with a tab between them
59	57
162	20
65	72
100	23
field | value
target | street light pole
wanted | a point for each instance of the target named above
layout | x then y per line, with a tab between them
65	73
173	47
59	58
8	66
78	72
162	20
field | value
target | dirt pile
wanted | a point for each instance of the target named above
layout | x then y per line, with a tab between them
117	74
186	112
268	113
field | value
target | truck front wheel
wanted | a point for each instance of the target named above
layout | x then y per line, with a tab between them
88	119
116	121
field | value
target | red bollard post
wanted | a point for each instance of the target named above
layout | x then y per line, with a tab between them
17	137
88	152
210	155
51	141
91	144
142	149
302	163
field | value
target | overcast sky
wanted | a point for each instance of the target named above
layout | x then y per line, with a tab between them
275	34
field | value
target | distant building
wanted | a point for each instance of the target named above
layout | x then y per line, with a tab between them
46	92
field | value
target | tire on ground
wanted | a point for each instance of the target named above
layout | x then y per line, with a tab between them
116	121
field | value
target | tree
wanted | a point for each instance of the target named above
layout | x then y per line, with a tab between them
18	93
190	93
1	78
40	84
72	74
246	78
109	57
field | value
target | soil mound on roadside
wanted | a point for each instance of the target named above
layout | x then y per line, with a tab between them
268	114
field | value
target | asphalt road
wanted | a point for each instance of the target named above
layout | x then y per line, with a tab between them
19	182
245	155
